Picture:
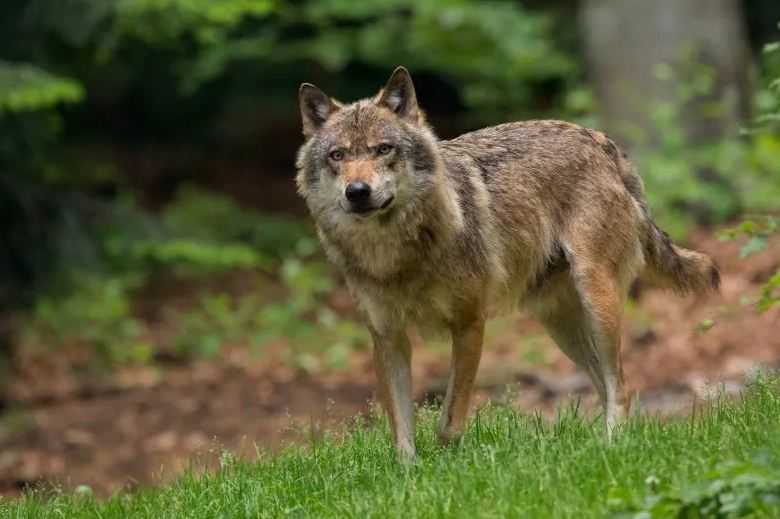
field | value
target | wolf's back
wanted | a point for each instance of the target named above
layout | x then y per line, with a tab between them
534	169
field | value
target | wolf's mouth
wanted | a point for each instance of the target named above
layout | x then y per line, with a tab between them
387	203
367	210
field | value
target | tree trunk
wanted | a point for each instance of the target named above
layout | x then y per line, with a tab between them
629	41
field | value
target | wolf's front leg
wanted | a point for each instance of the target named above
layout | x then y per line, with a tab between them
466	351
393	364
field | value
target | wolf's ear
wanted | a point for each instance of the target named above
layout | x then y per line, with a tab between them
315	106
398	95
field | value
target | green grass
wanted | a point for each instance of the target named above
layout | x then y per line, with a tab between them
724	460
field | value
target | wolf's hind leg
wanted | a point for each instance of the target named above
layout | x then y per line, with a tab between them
584	320
601	297
466	351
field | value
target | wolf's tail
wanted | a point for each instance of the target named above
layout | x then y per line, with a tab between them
683	270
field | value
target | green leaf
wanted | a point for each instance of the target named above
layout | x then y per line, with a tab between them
26	88
754	245
705	325
772	47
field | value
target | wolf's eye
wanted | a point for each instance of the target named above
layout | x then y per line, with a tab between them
384	149
336	155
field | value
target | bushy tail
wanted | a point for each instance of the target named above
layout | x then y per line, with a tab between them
683	270
668	265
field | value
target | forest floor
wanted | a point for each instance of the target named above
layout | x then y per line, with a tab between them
143	425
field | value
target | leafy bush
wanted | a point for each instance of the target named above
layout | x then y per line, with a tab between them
212	217
166	22
217	319
206	42
314	336
25	88
320	337
98	313
200	232
197	235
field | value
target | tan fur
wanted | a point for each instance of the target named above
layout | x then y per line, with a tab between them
544	214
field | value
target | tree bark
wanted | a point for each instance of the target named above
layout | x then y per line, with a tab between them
627	40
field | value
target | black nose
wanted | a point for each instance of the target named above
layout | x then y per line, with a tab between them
358	191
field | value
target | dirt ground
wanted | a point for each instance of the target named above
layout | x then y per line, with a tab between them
143	425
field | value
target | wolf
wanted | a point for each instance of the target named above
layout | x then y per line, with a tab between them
440	235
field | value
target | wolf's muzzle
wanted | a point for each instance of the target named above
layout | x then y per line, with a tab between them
365	206
358	194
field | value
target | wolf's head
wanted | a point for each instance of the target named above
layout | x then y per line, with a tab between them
368	160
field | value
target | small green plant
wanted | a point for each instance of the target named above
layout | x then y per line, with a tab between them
317	335
314	335
730	489
216	320
757	230
97	313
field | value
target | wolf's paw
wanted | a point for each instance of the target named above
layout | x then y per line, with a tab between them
449	436
406	457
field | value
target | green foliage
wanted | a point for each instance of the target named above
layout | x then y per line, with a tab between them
770	293
757	230
25	88
198	235
36	226
730	489
769	123
201	232
181	252
307	323
98	312
165	22
710	181
507	465
768	119
217	320
315	337
207	42
212	217
448	38
193	62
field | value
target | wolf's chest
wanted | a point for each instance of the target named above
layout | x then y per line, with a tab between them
382	258
428	303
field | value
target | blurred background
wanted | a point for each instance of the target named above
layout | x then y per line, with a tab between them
163	294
